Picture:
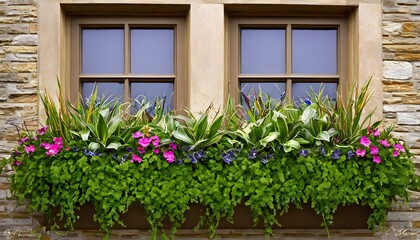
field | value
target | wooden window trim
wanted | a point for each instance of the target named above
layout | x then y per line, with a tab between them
235	77
179	76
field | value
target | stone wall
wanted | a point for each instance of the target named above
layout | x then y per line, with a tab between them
401	75
18	99
19	102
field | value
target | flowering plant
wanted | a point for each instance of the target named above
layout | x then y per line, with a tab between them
285	155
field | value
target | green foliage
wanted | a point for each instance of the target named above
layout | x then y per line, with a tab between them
98	153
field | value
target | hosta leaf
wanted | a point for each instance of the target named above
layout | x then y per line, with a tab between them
307	115
323	136
115	146
269	138
181	135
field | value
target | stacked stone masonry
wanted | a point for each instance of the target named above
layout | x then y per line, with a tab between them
19	103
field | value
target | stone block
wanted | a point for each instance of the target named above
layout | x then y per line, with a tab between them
415	10
26	40
398	86
17	28
401	108
9	20
407	56
21	49
397	70
21	57
396	9
33	28
403	48
13	77
407	2
21	2
392	27
22	98
410	118
411	27
24	67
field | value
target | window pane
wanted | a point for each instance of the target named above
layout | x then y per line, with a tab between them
111	90
314	51
102	51
273	90
263	51
302	90
152	51
162	92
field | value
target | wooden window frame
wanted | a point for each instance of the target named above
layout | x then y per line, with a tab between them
236	23
127	23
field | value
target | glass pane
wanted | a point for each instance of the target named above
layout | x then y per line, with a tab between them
300	91
111	90
161	93
275	91
152	51
314	51
102	51
263	51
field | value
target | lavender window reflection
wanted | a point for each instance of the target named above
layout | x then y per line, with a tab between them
155	93
106	90
301	90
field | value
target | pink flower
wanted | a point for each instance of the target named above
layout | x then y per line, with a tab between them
23	140
384	143
376	159
169	156
374	149
58	140
365	141
156	150
399	147
375	132
42	130
141	149
395	153
360	152
17	163
155	140
173	146
35	138
135	158
137	135
45	145
53	150
29	149
144	142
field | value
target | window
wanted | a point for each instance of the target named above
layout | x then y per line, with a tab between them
288	55
129	59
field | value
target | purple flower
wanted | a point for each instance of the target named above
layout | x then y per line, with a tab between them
350	154
376	159
384	143
365	141
42	130
322	151
115	156
17	163
29	149
266	158
360	152
252	153
192	158
156	150
23	140
144	142
141	149
135	158
395	153
303	152
173	146
374	150
308	102
228	156
336	154
75	149
155	140
179	161
399	147
137	135
169	156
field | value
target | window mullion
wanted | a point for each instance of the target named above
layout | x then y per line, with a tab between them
289	61
126	62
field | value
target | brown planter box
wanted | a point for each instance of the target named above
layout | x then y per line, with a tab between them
346	217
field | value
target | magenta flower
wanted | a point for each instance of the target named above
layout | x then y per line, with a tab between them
45	145
35	138
365	141
17	163
53	150
173	146
135	158
384	143
23	140
137	135
144	142
395	153
155	140
141	149
156	150
29	149
374	149
169	156
42	130
376	159
399	147
58	140
360	152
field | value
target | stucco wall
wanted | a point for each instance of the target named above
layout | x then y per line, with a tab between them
19	102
